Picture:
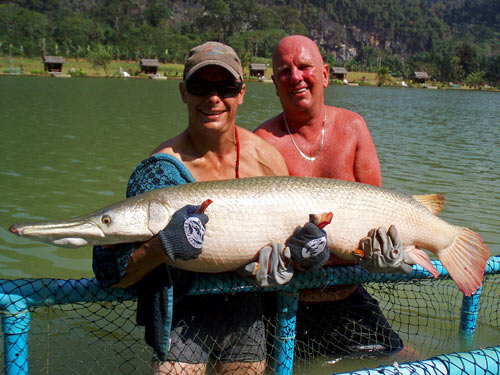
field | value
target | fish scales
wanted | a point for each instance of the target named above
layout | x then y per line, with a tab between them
247	214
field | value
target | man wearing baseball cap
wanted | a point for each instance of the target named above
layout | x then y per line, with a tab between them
228	328
213	53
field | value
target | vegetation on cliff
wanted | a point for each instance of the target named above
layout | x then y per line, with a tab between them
450	39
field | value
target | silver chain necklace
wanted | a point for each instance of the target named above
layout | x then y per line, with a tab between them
310	158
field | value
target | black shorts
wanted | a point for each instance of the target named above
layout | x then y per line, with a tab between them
228	328
354	326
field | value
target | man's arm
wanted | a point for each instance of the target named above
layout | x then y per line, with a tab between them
172	243
366	162
144	259
110	265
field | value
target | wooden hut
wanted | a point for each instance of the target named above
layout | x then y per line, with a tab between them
420	77
53	63
258	70
149	66
338	73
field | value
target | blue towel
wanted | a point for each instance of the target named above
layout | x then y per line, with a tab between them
156	298
155	293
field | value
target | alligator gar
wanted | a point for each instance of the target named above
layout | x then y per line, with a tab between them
246	214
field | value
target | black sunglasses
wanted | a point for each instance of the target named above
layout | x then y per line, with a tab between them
201	87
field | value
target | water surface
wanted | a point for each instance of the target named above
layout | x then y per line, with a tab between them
69	146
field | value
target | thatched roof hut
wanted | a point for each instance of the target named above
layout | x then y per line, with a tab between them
338	72
420	77
258	69
53	63
149	66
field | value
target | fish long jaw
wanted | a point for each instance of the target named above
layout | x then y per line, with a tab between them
64	233
133	220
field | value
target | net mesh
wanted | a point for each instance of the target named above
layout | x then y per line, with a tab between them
74	337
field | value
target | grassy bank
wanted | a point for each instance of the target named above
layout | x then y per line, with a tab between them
33	66
81	67
85	68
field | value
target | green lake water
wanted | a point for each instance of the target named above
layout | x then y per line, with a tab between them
68	147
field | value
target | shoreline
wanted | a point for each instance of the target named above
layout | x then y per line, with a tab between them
77	67
247	79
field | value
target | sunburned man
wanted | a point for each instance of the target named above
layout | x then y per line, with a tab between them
324	141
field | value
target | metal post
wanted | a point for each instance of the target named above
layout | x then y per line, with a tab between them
468	317
288	304
15	329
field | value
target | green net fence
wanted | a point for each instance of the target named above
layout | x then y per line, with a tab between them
75	327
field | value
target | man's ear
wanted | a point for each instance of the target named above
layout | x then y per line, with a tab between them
326	72
275	85
241	94
182	90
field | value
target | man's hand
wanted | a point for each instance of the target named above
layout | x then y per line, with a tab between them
183	236
308	246
273	268
383	252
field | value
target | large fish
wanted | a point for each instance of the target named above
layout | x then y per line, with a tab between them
246	214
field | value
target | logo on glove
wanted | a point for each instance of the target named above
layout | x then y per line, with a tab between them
195	232
314	247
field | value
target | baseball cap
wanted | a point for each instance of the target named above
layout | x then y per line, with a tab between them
213	53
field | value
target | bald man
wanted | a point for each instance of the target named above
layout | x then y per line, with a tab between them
319	140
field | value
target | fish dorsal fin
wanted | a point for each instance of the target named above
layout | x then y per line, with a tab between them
433	202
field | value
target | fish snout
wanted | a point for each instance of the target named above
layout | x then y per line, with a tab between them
13	229
65	234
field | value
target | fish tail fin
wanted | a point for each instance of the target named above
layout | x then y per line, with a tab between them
465	259
414	255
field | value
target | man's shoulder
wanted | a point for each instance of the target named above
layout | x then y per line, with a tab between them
269	127
344	113
254	139
263	155
345	118
168	146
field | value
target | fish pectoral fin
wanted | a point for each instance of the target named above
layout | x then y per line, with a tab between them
322	219
204	205
433	202
413	255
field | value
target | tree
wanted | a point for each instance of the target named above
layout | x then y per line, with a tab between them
216	19
493	70
77	30
22	27
394	64
157	12
117	17
100	57
383	76
370	56
467	53
448	68
475	79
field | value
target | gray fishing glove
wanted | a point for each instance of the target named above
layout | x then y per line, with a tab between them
308	247
183	236
383	252
273	268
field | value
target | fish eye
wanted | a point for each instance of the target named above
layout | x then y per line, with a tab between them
106	219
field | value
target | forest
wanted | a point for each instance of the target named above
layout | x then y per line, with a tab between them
452	40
